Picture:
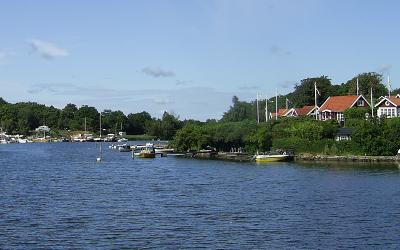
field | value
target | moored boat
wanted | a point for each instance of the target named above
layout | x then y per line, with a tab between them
273	157
124	148
147	152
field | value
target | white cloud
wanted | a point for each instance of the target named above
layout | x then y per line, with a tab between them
47	50
157	72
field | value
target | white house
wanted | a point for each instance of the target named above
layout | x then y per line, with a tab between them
388	107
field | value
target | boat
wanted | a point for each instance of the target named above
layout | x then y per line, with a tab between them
273	157
20	140
123	140
146	152
124	148
164	150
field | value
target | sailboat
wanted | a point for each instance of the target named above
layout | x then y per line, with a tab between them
100	158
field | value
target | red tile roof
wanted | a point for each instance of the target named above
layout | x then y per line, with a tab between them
304	110
281	112
394	100
338	103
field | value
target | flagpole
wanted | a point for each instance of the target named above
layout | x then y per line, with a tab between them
372	105
276	105
389	87
315	100
357	87
258	113
266	109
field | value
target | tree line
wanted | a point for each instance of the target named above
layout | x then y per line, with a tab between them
25	117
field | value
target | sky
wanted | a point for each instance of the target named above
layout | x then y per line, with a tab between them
187	57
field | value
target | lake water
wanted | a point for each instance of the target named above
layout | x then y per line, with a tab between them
55	195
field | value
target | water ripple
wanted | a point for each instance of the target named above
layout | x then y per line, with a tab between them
56	196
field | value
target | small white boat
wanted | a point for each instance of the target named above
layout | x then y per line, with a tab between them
124	148
273	157
22	140
123	140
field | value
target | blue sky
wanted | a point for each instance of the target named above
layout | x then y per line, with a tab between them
187	57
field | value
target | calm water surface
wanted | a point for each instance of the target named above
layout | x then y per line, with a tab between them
57	196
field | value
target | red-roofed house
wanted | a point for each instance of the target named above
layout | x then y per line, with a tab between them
334	106
388	107
306	111
286	113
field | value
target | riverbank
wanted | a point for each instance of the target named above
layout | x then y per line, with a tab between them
243	157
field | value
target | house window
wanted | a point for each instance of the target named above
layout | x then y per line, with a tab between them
340	117
360	102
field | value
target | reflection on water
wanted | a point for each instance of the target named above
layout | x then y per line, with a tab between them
57	196
346	165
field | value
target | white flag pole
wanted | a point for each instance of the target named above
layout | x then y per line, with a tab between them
389	87
266	108
372	105
258	113
315	100
357	87
276	105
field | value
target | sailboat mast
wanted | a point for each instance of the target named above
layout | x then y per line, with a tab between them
100	125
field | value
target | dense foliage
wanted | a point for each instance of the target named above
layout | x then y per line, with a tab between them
302	135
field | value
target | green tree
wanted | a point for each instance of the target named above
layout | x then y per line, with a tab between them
366	81
239	111
137	123
355	113
92	118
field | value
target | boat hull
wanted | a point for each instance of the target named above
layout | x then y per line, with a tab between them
145	155
273	158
